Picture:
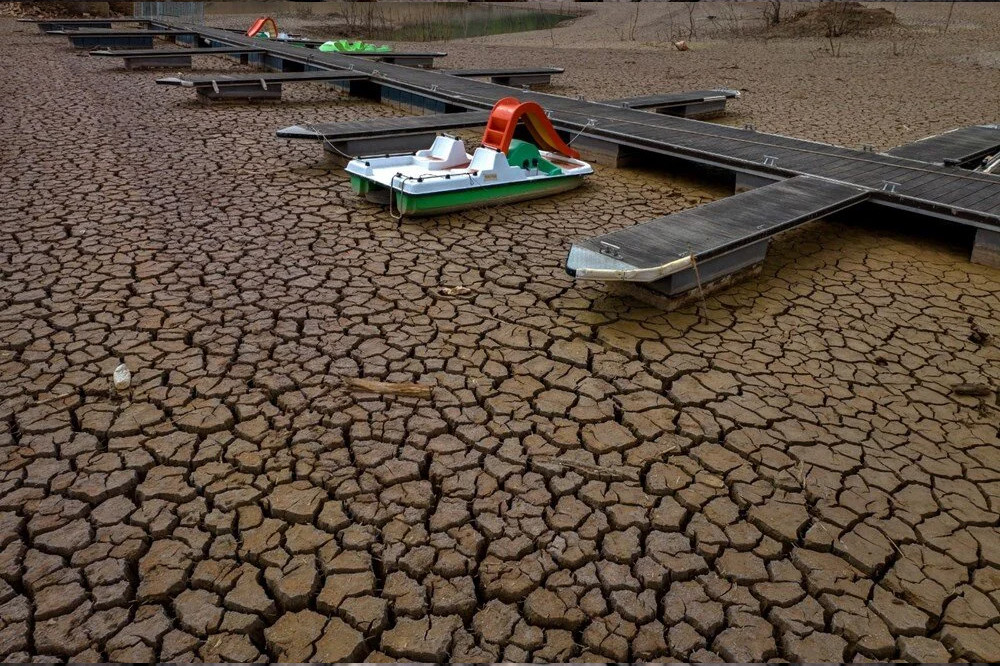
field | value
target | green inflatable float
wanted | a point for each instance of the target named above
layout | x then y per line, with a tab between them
344	46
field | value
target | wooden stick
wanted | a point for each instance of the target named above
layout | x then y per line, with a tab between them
406	389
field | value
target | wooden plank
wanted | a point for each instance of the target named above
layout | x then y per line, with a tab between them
84	32
727	223
958	146
154	53
222	80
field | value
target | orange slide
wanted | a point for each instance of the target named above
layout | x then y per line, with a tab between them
259	24
503	120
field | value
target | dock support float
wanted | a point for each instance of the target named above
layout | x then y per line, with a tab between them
986	248
159	62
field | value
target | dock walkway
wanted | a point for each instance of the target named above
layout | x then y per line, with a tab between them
934	191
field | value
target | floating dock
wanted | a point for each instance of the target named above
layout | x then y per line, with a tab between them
614	132
964	147
174	58
254	86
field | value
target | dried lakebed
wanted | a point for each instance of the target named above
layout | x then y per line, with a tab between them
590	479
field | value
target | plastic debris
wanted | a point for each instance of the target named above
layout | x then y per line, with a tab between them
455	291
122	377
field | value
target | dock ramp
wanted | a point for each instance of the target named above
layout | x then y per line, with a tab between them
675	252
964	146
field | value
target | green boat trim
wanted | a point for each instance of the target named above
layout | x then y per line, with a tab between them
433	203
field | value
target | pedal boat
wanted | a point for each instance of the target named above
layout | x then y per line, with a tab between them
445	178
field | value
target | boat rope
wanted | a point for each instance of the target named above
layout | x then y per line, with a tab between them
701	290
591	122
330	144
392	196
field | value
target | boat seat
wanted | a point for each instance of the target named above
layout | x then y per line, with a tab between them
487	160
444	153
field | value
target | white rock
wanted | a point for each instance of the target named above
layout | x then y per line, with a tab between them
122	377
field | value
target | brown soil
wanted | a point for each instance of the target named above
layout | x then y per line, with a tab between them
793	477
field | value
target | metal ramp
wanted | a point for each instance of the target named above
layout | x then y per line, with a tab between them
378	127
509	76
688	104
85	38
964	146
676	252
255	86
152	58
50	25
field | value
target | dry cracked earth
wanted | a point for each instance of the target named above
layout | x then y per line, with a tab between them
789	477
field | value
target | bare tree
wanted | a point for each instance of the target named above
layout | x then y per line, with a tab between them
772	12
947	23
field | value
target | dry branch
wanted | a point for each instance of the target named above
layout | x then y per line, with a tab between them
406	389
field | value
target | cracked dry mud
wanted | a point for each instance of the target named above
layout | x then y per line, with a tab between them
591	479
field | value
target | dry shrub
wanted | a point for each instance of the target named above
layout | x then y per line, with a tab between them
833	19
64	9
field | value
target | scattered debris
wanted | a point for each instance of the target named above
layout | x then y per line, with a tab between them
55	398
586	470
458	290
978	335
974	390
406	389
122	377
682	46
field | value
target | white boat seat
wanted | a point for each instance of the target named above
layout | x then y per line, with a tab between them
444	153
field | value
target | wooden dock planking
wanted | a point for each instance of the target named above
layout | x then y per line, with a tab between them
150	53
934	190
172	58
255	86
962	146
655	251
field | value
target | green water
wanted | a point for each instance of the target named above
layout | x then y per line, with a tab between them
476	26
445	21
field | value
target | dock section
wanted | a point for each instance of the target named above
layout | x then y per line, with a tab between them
676	253
964	147
935	192
254	86
173	58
